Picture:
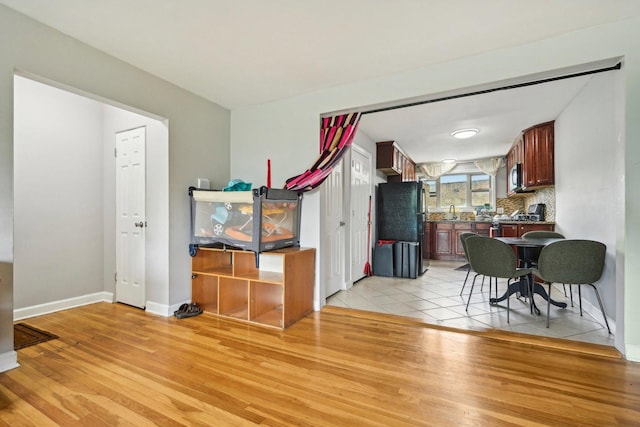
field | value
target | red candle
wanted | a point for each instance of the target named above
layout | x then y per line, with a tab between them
269	173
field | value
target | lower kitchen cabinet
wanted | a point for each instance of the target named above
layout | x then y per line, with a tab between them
517	230
482	228
445	235
228	283
445	238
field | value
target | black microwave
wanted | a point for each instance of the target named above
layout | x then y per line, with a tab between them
515	178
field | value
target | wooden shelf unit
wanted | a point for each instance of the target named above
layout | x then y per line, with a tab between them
227	283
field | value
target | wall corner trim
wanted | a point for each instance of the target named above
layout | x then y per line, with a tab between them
8	360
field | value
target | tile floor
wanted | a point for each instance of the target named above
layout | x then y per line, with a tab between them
435	298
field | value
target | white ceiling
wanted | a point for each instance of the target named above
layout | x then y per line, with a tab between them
244	52
424	132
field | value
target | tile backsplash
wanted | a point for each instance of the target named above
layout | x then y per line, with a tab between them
544	195
548	197
510	205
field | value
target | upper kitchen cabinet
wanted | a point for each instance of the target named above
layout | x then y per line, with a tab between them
537	169
514	156
394	163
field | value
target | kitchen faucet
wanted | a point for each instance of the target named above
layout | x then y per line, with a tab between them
453	216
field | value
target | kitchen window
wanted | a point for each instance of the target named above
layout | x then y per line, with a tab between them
463	190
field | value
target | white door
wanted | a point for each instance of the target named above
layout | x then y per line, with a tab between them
359	207
335	234
130	222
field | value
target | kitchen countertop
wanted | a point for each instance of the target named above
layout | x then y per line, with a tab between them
527	222
490	222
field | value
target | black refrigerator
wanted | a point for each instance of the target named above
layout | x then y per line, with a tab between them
400	213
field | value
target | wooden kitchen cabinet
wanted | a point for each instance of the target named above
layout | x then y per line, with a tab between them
445	238
509	230
538	156
482	228
227	283
388	158
394	163
514	156
442	242
517	230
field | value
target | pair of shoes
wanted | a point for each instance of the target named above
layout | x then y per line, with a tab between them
182	308
189	311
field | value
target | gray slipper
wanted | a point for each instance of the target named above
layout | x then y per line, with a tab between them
191	310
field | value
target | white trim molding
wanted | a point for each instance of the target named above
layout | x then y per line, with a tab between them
8	360
51	307
633	353
590	309
163	310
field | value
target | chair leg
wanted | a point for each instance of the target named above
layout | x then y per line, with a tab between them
473	283
508	307
465	280
601	306
549	305
530	285
571	293
580	298
564	288
482	284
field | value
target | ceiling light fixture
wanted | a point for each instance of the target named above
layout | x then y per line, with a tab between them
464	133
449	161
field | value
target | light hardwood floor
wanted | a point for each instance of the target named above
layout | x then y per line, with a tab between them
116	365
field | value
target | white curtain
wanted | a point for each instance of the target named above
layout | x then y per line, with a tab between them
490	166
436	170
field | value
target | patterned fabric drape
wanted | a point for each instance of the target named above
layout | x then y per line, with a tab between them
336	134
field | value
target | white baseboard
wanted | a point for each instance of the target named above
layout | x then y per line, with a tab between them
8	360
51	307
632	353
587	307
162	309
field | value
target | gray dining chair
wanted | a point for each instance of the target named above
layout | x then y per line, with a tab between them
576	262
544	234
493	258
463	241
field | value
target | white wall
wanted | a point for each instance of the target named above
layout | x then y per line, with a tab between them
64	187
57	195
290	127
586	189
199	133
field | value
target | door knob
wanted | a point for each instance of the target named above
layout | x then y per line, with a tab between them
139	224
342	223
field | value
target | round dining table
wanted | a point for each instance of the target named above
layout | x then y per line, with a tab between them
528	251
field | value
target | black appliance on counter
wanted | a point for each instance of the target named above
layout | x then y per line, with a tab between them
401	209
535	212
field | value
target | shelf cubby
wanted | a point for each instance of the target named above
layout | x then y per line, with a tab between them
279	292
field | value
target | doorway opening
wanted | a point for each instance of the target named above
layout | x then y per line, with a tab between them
64	195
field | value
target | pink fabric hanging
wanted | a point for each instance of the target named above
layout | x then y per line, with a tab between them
336	134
